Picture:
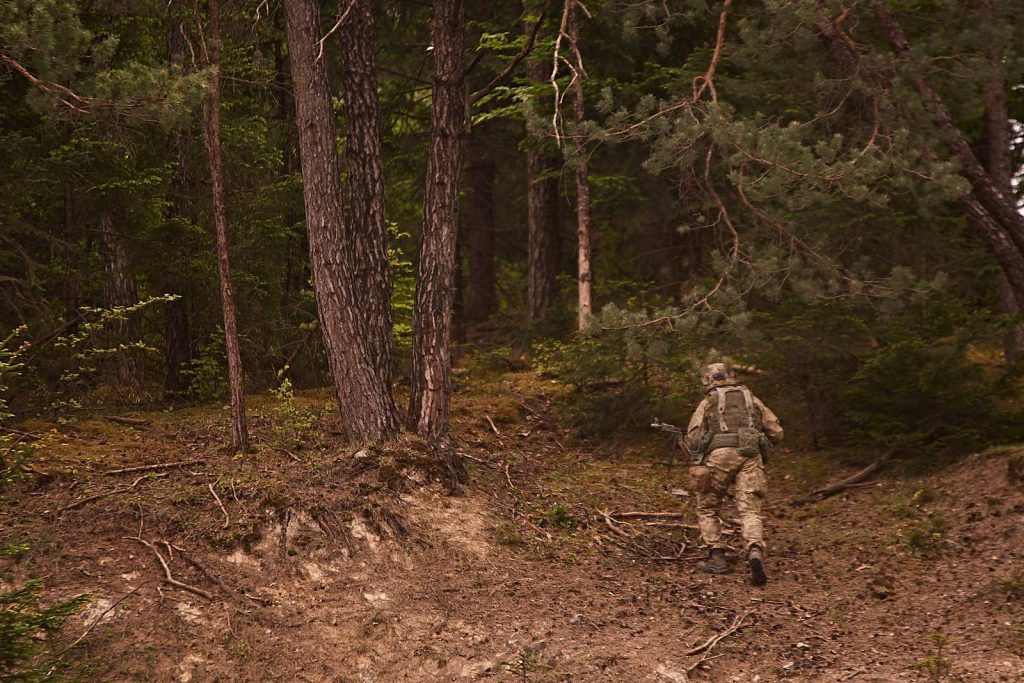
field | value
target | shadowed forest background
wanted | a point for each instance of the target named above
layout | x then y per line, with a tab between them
204	204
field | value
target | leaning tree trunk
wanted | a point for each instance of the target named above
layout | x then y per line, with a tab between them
481	295
583	224
998	148
121	292
365	396
211	140
366	218
543	247
430	396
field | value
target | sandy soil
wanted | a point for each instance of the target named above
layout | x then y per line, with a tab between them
356	567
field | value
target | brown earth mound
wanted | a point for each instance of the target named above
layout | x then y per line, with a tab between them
304	562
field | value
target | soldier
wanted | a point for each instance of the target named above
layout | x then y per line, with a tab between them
729	436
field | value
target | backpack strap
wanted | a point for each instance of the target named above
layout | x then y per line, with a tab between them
749	401
720	393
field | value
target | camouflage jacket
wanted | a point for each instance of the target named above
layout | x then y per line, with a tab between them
698	423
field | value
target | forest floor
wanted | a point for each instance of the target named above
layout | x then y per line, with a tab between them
313	563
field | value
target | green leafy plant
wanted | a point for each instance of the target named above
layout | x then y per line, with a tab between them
935	665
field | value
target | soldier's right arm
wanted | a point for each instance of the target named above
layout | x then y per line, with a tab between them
769	423
695	430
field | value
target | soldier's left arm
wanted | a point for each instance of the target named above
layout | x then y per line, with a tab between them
769	423
695	430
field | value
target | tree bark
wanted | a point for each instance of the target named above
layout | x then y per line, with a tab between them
70	254
365	397
583	221
993	197
121	291
177	333
430	397
481	295
211	140
367	225
543	243
999	158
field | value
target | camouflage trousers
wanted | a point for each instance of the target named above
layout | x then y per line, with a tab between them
723	468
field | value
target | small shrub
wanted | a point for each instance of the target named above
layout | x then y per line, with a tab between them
927	537
1014	585
506	533
935	665
561	519
208	378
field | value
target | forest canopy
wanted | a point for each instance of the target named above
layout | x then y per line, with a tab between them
205	199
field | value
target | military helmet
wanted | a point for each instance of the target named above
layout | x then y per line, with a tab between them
717	375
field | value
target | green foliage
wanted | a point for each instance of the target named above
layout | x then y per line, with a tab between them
561	519
208	373
624	370
935	665
26	627
927	537
1013	586
507	534
293	418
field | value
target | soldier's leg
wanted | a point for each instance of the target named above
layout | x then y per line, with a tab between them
708	503
721	467
751	488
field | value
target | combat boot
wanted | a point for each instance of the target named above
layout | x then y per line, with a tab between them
756	560
715	564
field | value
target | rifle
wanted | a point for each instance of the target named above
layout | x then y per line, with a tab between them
676	432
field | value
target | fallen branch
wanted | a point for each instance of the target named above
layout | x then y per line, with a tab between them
149	468
736	625
122	489
493	426
168	577
611	525
665	515
98	619
133	421
227	517
229	590
839	487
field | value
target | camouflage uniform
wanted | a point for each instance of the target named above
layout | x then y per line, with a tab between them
726	466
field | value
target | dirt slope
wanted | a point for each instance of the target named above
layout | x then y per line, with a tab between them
357	568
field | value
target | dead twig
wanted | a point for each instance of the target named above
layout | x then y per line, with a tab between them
615	529
168	577
213	578
494	428
289	454
736	625
851	481
121	489
149	468
133	421
97	620
665	515
227	517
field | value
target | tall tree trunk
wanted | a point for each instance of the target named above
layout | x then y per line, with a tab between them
481	295
70	253
583	223
177	334
366	218
365	396
543	243
120	291
211	140
429	401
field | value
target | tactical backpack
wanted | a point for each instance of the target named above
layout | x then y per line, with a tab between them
733	421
